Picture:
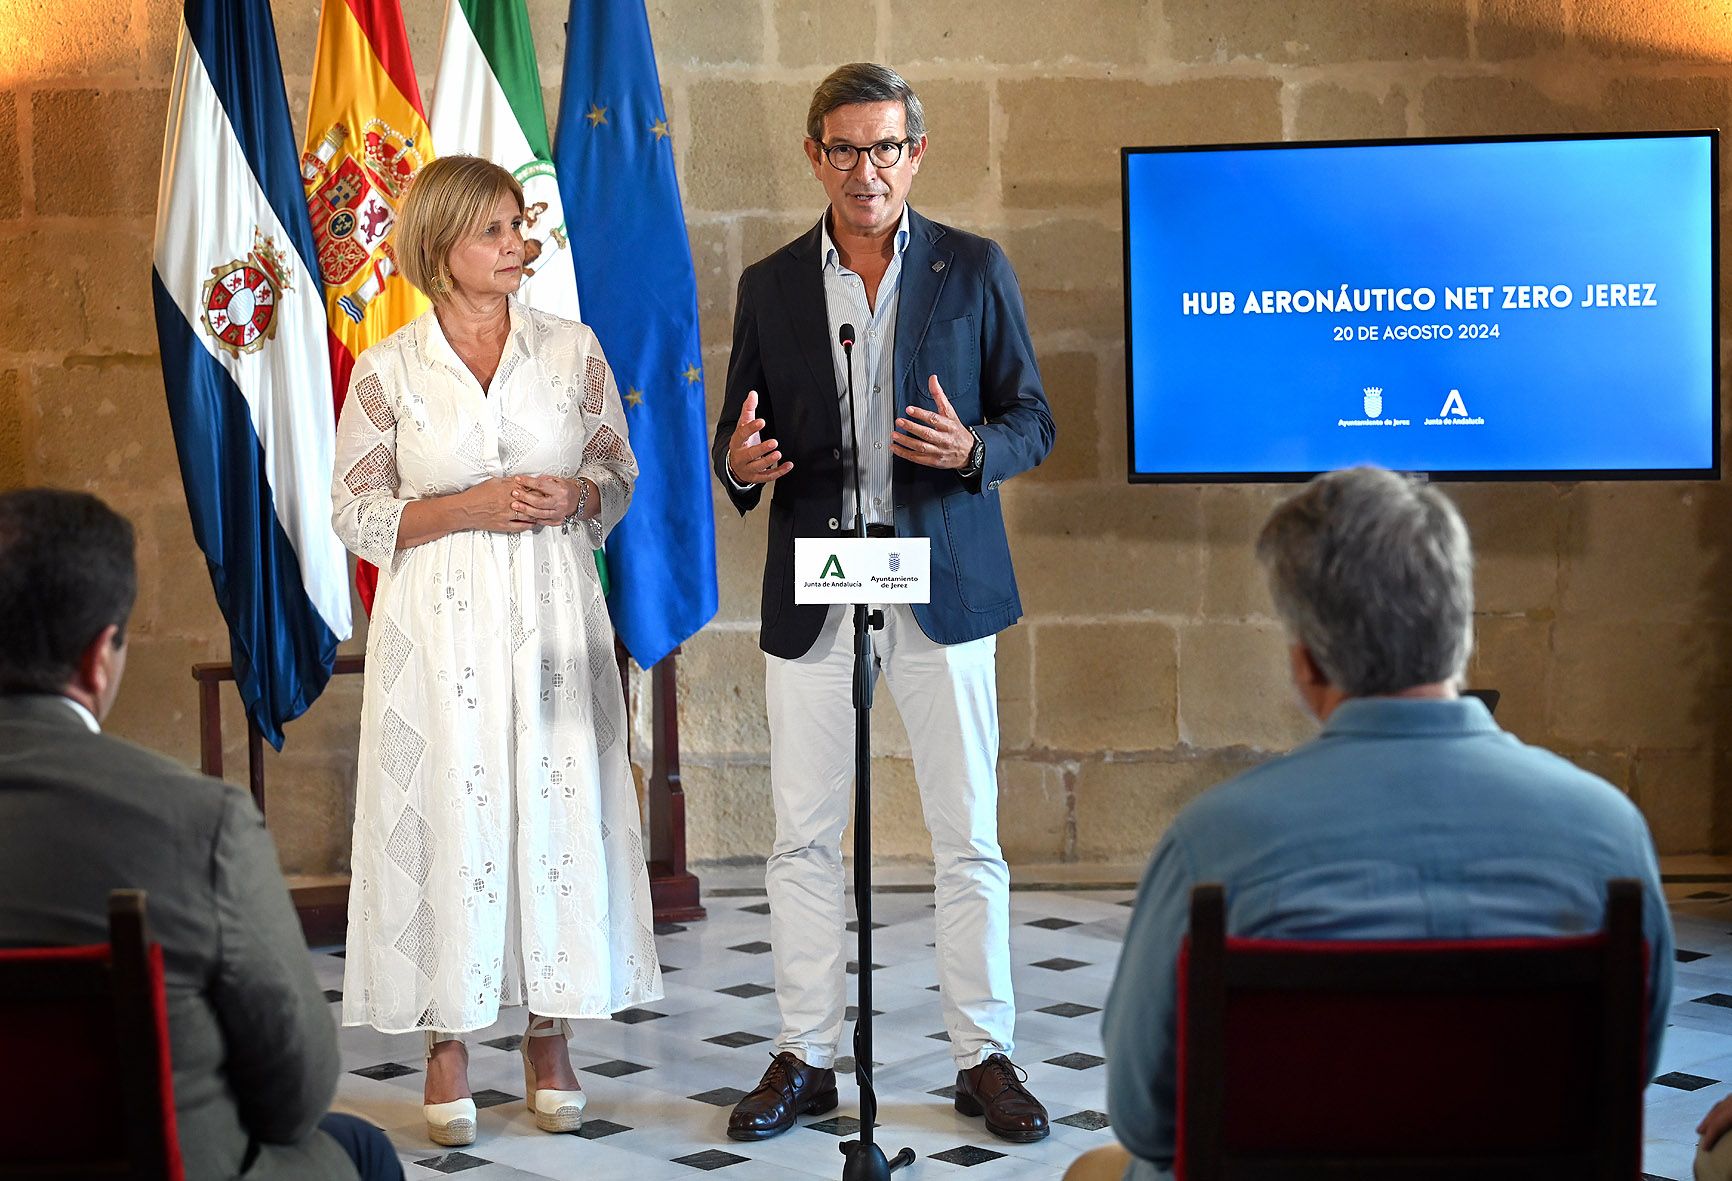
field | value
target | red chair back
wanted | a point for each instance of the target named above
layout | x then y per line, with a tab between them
1467	1060
84	1057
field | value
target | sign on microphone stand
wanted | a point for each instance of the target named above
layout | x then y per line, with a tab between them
862	570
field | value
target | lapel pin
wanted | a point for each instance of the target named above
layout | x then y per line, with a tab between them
939	265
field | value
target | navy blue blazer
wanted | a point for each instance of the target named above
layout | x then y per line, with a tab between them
959	315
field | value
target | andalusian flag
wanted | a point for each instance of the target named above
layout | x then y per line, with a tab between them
487	103
367	137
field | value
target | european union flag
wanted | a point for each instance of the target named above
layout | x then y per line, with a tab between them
640	295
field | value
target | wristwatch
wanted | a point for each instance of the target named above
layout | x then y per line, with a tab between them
976	457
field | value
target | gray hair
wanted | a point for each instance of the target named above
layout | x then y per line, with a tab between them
864	82
1373	572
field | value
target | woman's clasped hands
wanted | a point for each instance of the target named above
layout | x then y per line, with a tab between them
514	504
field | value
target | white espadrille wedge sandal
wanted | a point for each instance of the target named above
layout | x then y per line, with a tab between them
451	1125
554	1111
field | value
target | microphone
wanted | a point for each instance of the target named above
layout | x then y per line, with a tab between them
845	337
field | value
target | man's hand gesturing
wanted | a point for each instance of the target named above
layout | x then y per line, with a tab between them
752	460
933	440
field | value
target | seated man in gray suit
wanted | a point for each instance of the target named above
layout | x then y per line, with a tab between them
253	1044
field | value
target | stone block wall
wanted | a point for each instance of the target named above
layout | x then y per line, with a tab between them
1149	665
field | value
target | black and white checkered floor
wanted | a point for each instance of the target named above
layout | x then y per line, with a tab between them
662	1077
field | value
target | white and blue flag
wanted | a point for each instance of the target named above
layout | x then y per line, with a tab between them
240	316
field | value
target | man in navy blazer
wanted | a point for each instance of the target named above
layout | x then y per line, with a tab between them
950	406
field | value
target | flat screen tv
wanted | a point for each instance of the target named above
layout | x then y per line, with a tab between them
1513	307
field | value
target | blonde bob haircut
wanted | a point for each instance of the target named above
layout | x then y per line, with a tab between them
449	200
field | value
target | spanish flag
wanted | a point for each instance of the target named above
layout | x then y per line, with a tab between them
367	137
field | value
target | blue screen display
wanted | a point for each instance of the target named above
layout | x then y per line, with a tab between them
1500	306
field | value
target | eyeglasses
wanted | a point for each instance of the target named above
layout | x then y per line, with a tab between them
846	157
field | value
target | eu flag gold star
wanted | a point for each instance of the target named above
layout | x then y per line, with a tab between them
660	127
634	397
597	115
693	373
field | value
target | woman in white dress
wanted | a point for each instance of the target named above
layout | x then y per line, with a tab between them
481	458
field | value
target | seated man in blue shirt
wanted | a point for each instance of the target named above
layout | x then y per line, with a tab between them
1411	816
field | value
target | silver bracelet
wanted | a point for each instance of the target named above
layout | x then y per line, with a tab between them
582	502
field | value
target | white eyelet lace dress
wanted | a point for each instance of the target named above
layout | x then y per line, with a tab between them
497	856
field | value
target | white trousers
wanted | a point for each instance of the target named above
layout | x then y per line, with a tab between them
948	698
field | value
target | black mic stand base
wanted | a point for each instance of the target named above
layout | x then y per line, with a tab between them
866	1161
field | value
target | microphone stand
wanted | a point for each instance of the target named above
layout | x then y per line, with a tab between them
866	1161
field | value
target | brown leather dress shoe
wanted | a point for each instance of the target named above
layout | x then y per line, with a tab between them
789	1088
994	1089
